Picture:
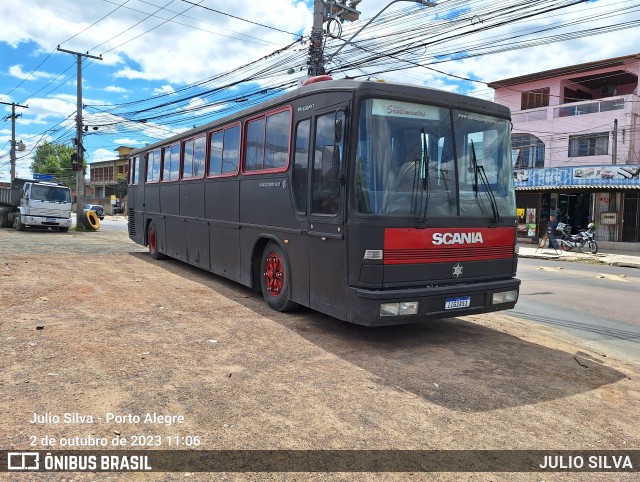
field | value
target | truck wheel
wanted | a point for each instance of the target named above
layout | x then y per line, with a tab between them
275	279
90	221
152	236
17	223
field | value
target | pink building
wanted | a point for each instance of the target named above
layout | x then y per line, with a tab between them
576	147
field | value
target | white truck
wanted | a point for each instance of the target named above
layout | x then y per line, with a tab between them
28	202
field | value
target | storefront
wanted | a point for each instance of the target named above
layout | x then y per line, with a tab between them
607	195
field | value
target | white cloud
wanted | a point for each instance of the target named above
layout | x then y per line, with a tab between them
43	109
165	89
126	142
16	71
102	155
116	89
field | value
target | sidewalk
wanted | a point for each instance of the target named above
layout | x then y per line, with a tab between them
629	259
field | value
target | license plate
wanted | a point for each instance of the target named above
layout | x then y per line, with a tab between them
51	220
453	303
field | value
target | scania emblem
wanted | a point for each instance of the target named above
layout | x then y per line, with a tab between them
457	270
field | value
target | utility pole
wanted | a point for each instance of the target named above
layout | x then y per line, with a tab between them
316	54
323	11
13	135
338	10
80	148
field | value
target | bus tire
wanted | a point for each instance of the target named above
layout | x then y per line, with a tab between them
152	236
275	279
90	221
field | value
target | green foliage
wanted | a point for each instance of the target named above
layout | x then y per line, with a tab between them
55	159
122	187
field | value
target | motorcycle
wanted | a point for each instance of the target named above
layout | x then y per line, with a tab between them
584	238
588	239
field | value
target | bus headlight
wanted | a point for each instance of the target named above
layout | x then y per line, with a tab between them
505	297
402	308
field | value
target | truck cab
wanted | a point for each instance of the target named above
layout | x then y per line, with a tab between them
30	203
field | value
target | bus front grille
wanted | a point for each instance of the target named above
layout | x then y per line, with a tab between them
418	256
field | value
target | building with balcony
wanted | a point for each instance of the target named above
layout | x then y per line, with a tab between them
106	176
576	147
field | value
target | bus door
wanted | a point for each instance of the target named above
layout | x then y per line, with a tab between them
327	248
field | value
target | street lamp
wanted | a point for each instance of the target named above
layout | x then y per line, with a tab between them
424	3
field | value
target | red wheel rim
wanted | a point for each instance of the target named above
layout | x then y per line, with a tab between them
274	274
152	239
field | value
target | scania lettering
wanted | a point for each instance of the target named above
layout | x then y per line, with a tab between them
375	203
457	238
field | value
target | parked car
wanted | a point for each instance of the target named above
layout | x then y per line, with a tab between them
96	208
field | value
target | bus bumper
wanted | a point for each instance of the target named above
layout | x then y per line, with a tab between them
376	307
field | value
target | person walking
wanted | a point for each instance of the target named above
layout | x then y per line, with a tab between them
551	231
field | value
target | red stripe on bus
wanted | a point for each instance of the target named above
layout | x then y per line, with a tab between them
414	245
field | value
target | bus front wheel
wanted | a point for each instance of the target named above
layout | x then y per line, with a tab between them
275	279
152	236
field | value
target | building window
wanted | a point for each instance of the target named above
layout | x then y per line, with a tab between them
528	151
596	144
533	99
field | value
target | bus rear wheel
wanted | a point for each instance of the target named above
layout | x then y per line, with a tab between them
275	279
152	236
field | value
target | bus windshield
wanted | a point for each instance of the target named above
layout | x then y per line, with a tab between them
422	161
57	194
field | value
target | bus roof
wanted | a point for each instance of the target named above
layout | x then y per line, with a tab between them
369	88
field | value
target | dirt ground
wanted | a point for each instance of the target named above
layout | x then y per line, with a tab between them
90	325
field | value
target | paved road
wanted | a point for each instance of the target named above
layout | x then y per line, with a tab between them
598	304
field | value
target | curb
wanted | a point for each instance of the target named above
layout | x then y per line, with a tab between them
591	260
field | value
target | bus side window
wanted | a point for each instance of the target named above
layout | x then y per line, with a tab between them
325	197
301	165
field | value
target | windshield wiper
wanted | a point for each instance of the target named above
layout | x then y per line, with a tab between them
479	170
424	161
423	172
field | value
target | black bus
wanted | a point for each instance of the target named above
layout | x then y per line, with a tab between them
375	203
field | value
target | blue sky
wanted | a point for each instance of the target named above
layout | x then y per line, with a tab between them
148	51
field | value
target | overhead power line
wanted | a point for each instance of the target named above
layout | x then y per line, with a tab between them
243	19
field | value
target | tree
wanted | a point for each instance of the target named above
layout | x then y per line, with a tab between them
55	159
122	187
